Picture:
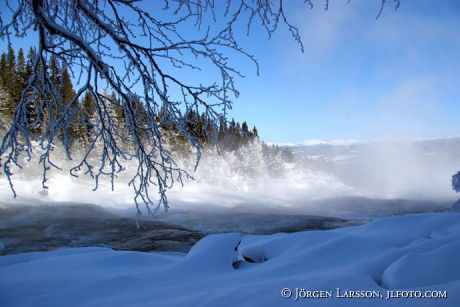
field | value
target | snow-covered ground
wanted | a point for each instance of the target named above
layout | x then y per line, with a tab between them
393	261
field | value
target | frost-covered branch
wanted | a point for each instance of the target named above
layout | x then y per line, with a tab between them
139	50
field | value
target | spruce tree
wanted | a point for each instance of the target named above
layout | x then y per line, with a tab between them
88	112
30	61
255	133
10	70
245	132
222	129
31	110
67	91
191	125
3	71
4	120
245	129
3	94
117	110
202	128
10	80
55	71
238	139
76	129
20	76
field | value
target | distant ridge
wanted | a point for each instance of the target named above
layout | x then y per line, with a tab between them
317	142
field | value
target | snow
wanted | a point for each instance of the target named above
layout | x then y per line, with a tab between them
456	206
316	142
437	272
412	253
349	142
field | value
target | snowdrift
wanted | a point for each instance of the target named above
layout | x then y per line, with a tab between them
392	261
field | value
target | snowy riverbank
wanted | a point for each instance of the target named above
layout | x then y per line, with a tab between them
408	255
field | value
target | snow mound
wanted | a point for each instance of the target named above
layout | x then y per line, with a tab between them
417	252
439	266
213	254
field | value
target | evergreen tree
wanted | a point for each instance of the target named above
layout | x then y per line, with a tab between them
210	132
3	71
55	72
4	108
77	128
119	113
15	70
10	71
9	80
31	111
20	76
30	61
139	122
255	133
164	119
222	129
62	87
88	111
66	88
202	128
4	120
238	138
245	129
55	75
191	123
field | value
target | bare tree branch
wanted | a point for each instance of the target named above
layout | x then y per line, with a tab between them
118	44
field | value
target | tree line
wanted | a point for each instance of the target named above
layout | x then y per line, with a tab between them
16	68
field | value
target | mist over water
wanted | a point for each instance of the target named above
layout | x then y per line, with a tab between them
344	180
419	170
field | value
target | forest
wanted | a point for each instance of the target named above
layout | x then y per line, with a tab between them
16	70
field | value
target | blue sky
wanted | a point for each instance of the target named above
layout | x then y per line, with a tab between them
359	78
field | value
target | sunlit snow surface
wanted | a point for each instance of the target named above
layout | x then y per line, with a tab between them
417	252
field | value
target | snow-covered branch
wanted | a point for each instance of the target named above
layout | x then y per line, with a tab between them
140	51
